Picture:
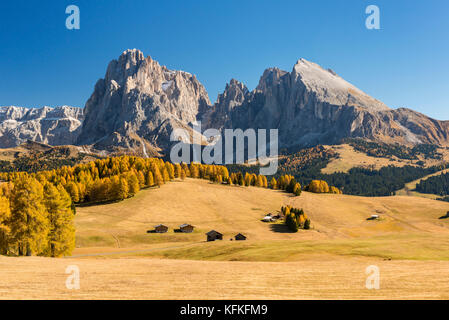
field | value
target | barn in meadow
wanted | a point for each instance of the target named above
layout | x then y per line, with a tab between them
160	228
240	237
186	228
214	235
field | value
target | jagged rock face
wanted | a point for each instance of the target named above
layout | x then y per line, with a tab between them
55	126
137	101
312	106
233	96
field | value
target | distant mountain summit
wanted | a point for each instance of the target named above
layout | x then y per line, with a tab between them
138	104
55	126
311	105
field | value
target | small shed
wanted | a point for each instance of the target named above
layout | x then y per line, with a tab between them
240	237
160	228
186	228
214	235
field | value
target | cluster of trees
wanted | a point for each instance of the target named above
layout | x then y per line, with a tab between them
359	181
320	186
35	218
306	159
248	179
287	183
435	185
220	174
295	218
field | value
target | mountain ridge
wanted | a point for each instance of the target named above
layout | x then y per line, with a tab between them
56	126
138	104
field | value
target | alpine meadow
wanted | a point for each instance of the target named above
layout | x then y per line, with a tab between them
237	152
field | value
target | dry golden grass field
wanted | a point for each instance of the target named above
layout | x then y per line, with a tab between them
350	158
118	259
409	187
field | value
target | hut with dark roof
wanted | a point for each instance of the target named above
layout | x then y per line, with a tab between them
214	235
186	228
240	237
160	228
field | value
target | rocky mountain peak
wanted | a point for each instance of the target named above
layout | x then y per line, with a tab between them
234	93
270	78
137	100
331	88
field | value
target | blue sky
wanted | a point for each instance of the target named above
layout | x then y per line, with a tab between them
405	64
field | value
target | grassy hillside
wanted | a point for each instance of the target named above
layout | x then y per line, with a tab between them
118	259
410	187
339	225
34	156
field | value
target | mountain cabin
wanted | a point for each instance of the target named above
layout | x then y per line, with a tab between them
160	228
240	237
214	235
186	228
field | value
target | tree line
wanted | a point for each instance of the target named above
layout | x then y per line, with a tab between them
435	185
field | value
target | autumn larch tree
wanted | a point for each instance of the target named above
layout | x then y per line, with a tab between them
5	215
61	237
30	224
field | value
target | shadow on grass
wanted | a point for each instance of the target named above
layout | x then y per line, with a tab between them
96	203
280	228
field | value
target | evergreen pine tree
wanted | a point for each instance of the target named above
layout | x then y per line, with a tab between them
297	189
307	224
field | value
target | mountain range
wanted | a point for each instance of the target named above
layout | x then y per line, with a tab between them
138	103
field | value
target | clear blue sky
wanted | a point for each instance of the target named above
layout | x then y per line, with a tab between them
406	63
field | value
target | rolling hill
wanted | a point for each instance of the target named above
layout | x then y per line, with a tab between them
118	259
338	222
